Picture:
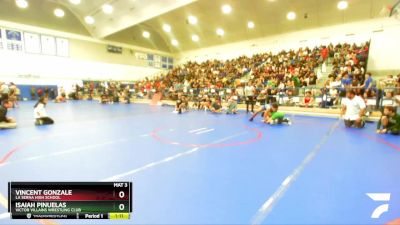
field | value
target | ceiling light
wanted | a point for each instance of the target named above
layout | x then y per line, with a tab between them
107	8
22	3
59	12
195	38
75	2
174	42
220	32
192	19
89	20
342	5
226	9
146	34
291	16
166	28
250	24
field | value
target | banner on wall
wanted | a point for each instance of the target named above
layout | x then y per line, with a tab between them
14	40
32	43
62	47
48	45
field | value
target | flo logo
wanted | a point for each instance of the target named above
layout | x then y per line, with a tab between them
384	198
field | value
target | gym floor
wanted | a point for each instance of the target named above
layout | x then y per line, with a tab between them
202	168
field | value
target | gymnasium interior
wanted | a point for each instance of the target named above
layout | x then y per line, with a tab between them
213	111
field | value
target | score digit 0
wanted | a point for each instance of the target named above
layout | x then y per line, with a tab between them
121	194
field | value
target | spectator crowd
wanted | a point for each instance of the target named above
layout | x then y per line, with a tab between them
261	79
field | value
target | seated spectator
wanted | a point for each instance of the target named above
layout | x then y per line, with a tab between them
308	100
6	122
272	116
104	99
122	97
216	106
197	98
325	98
182	104
271	93
389	122
205	103
60	99
353	110
232	103
312	81
40	112
389	81
262	97
127	95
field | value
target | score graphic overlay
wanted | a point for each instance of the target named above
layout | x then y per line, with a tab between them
70	200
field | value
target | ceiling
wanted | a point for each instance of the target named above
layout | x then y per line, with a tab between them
131	17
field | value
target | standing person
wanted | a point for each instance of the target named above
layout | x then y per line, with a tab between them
379	94
389	122
324	53
46	92
368	81
40	112
353	110
52	94
249	92
6	122
40	92
33	93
